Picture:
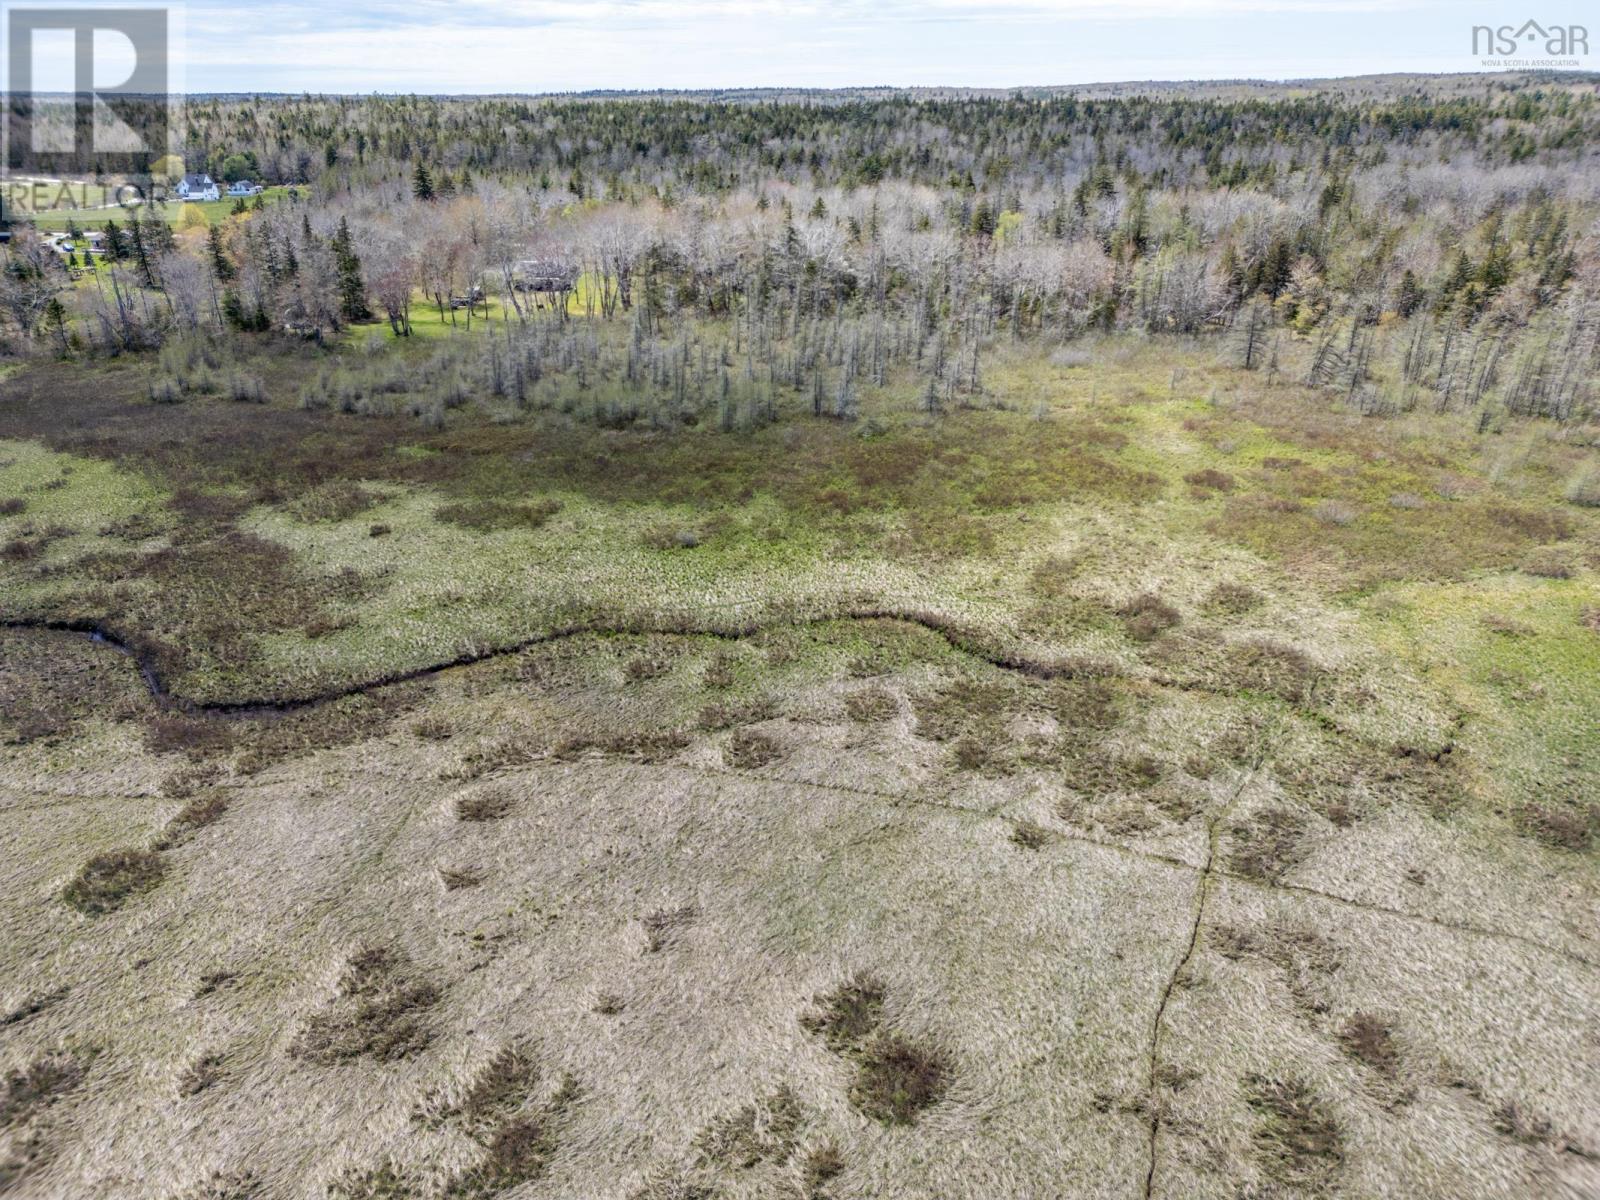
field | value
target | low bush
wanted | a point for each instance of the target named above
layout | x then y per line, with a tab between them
1299	1144
245	388
108	881
379	1013
1147	616
1269	843
1584	487
749	749
896	1079
1370	1040
485	516
1210	480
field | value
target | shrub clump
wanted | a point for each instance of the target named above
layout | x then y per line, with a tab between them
488	515
1269	843
965	703
1584	488
1561	826
1298	1143
204	809
489	805
38	1085
896	1078
1369	1039
845	1017
749	749
1209	480
246	388
338	500
1263	665
664	927
1147	616
1234	598
1548	564
1335	512
765	1130
378	1013
871	705
1030	835
108	881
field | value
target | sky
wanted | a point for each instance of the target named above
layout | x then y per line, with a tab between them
457	46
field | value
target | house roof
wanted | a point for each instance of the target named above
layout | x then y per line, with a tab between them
198	181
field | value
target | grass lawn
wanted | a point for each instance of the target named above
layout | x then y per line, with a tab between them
213	211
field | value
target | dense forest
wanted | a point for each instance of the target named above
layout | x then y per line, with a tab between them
1432	243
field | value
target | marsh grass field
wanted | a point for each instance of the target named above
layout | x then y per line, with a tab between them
1151	781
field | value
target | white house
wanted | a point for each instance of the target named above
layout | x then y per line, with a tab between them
198	187
244	187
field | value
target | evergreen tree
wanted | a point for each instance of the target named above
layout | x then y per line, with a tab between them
422	182
983	219
141	252
1273	276
116	242
1410	297
221	267
352	288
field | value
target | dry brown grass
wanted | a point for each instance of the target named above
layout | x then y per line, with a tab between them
526	927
